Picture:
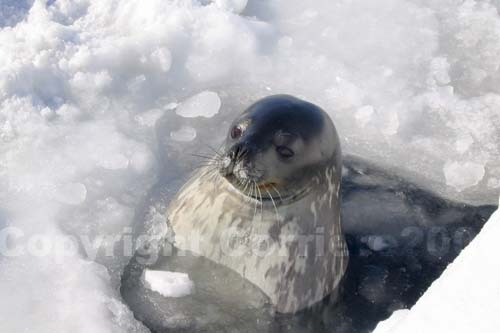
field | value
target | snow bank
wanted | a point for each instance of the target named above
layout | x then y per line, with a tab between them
168	284
85	83
465	298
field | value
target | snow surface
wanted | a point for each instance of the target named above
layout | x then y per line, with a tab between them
466	298
168	284
410	84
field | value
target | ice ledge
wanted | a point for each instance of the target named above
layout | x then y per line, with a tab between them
466	298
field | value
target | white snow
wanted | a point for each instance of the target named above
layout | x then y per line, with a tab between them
466	298
410	84
168	284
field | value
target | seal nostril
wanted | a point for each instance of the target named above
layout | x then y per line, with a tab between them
238	152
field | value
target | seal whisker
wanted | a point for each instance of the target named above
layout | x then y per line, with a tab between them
205	165
208	173
276	190
243	154
245	187
249	191
274	204
207	162
206	157
254	196
261	203
210	165
216	151
213	178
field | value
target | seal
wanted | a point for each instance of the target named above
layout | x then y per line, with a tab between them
267	205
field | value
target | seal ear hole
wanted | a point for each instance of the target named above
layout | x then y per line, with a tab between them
285	152
283	138
236	132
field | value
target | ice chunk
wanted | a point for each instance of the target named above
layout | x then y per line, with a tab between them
171	106
378	243
465	297
72	194
344	94
47	113
463	143
163	58
494	183
364	114
388	325
235	6
111	215
142	161
462	175
184	134
149	118
439	69
88	81
168	284
205	104
115	161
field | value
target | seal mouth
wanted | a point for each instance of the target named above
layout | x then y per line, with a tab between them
250	181
269	186
268	191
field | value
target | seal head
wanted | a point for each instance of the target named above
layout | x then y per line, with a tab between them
275	147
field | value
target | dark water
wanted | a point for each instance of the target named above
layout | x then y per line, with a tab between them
400	239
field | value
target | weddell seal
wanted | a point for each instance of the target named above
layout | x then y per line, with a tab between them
267	206
288	251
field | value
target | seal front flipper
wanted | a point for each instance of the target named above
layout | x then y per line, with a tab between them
220	298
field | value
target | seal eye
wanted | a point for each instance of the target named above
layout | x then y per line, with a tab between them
285	152
236	132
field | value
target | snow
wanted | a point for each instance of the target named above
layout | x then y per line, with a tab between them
465	298
99	97
168	284
13	11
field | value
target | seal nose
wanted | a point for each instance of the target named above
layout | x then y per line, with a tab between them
238	154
